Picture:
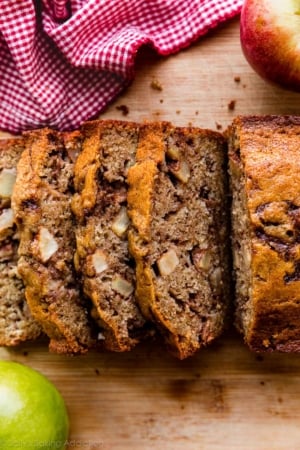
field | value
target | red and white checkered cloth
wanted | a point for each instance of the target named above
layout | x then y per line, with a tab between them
63	61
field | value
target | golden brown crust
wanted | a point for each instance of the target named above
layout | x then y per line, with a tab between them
141	179
150	154
268	156
166	215
41	201
101	191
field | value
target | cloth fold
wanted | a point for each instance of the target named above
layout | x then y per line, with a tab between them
63	61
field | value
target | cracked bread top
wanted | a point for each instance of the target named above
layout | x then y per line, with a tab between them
177	204
265	174
42	206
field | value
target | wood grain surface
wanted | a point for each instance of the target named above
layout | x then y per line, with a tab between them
225	397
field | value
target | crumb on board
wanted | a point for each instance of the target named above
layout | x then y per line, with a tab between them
196	113
123	109
161	100
156	85
156	113
231	105
178	111
237	79
219	126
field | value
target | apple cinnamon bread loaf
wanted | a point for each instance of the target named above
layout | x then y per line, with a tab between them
177	202
264	169
100	207
16	322
42	206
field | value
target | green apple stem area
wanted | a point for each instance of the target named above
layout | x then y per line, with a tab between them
270	40
33	414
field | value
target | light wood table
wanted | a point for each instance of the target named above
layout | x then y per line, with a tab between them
225	397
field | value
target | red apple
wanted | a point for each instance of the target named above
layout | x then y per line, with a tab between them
270	39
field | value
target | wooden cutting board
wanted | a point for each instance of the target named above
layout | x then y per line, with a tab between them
225	397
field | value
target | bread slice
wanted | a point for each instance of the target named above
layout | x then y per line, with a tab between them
265	182
100	207
177	202
42	206
16	322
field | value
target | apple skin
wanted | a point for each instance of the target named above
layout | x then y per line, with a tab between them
33	414
270	40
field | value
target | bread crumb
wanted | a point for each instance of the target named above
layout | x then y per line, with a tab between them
266	343
155	84
178	111
219	126
196	112
231	105
161	100
237	79
124	109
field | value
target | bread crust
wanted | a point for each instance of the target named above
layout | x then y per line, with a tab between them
109	147
264	157
158	205
42	206
16	322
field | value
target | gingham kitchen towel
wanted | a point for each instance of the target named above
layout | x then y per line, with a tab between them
63	61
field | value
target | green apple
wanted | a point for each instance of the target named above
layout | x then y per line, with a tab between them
33	414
